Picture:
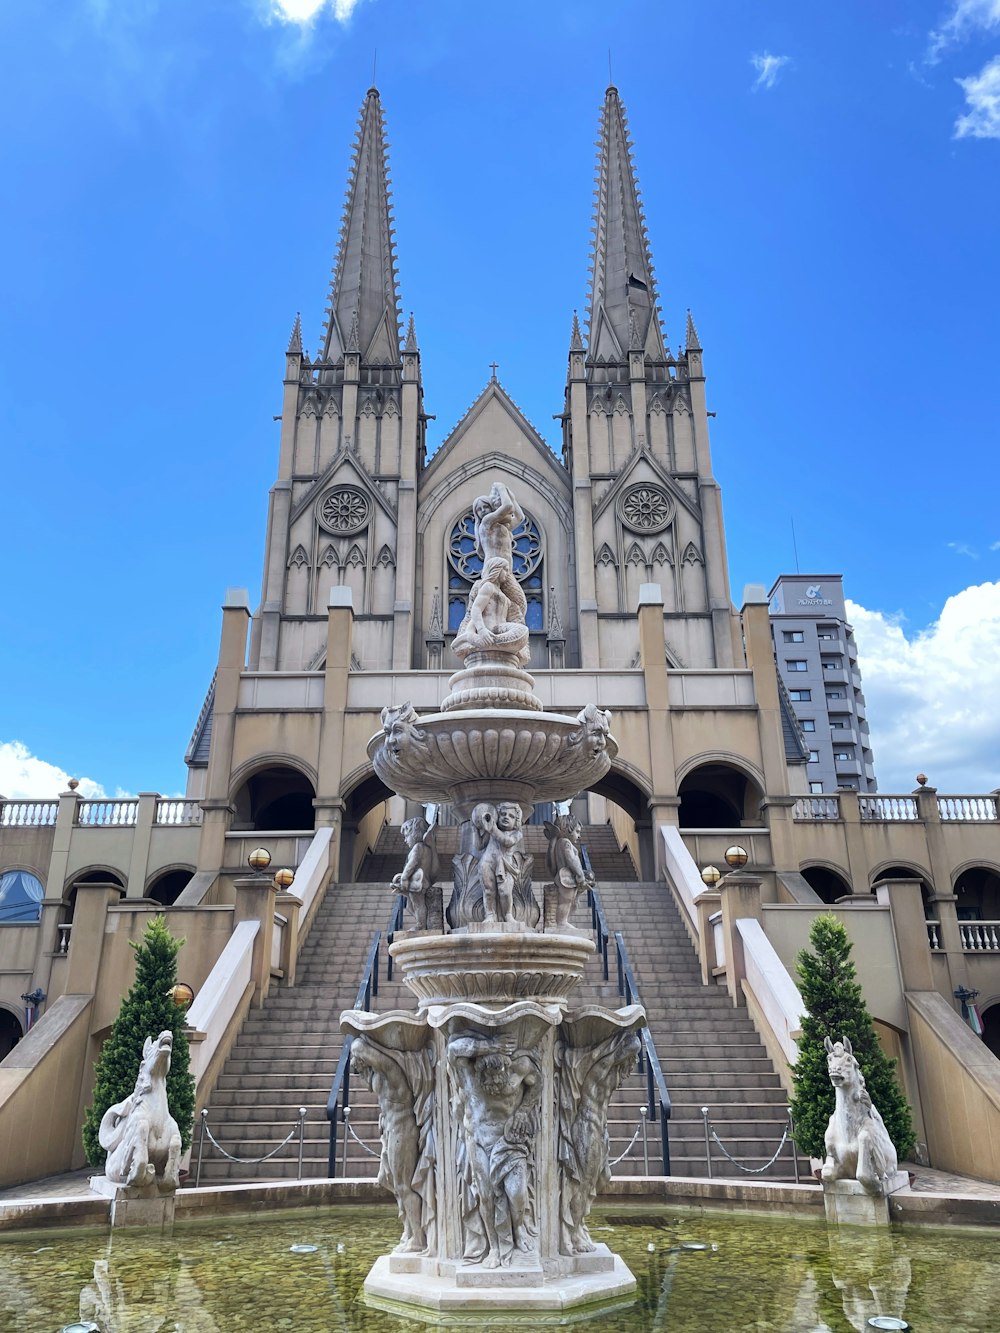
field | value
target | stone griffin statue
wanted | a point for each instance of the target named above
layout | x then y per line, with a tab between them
565	865
418	875
858	1146
140	1135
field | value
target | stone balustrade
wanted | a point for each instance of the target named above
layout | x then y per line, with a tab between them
28	814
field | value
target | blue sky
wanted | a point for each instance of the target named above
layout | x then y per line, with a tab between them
822	187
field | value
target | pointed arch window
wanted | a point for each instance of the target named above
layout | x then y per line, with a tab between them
466	565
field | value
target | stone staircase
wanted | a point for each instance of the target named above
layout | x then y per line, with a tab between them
287	1052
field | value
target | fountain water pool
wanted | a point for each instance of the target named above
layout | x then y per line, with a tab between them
760	1274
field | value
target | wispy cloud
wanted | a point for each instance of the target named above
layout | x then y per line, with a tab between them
23	776
768	68
995	546
931	695
982	97
965	18
304	11
963	548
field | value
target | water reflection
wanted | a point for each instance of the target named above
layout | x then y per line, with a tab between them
761	1276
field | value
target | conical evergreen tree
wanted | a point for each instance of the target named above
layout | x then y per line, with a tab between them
146	1011
836	1008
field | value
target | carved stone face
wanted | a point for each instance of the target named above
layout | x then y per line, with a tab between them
508	816
414	830
492	1072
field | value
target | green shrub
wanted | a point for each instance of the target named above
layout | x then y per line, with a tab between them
146	1011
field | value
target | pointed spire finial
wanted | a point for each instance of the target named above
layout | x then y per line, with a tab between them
576	337
363	285
691	337
555	623
295	341
411	336
435	629
353	342
621	273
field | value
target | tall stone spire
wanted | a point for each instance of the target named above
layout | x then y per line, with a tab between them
623	298
363	286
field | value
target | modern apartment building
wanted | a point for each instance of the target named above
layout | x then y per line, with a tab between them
818	662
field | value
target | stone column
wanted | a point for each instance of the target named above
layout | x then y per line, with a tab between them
740	896
217	806
662	766
55	884
255	897
139	859
857	854
329	802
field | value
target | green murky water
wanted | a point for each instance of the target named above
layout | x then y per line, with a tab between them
768	1276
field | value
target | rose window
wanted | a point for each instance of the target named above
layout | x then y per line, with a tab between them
646	508
344	510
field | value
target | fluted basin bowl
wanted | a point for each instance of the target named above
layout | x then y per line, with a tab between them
491	967
479	754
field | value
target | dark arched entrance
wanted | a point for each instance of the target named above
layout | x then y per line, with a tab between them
718	796
277	799
167	888
828	884
977	890
909	872
10	1032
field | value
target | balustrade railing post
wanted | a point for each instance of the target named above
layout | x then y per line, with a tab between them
795	1148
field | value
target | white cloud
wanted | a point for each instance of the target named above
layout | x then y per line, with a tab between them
23	776
965	18
932	695
304	11
963	548
768	68
982	96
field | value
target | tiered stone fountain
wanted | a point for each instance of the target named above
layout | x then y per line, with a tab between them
493	1096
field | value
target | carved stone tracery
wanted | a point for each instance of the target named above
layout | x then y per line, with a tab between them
344	509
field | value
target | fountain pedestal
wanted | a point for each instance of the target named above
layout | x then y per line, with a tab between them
493	1097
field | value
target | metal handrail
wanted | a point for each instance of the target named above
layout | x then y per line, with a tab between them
656	1085
598	921
395	923
339	1100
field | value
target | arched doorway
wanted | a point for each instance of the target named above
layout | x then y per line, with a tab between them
168	886
827	883
718	796
977	890
10	1032
365	812
276	799
909	872
91	876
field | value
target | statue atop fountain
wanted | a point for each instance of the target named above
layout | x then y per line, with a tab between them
494	1095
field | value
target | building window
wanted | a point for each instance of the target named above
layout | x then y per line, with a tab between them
837	723
835	694
800	696
843	754
21	895
832	664
467	564
816	788
795	664
793	636
814	756
825	634
808	723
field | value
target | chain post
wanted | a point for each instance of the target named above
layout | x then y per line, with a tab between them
302	1137
708	1144
201	1146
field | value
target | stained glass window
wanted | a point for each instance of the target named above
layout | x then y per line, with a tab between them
467	564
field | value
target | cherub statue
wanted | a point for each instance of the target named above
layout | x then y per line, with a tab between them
500	826
565	865
420	872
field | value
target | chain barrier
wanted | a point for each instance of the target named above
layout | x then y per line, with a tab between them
631	1144
346	1117
748	1170
297	1128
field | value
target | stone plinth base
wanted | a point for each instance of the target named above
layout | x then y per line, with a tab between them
421	1288
132	1207
849	1204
